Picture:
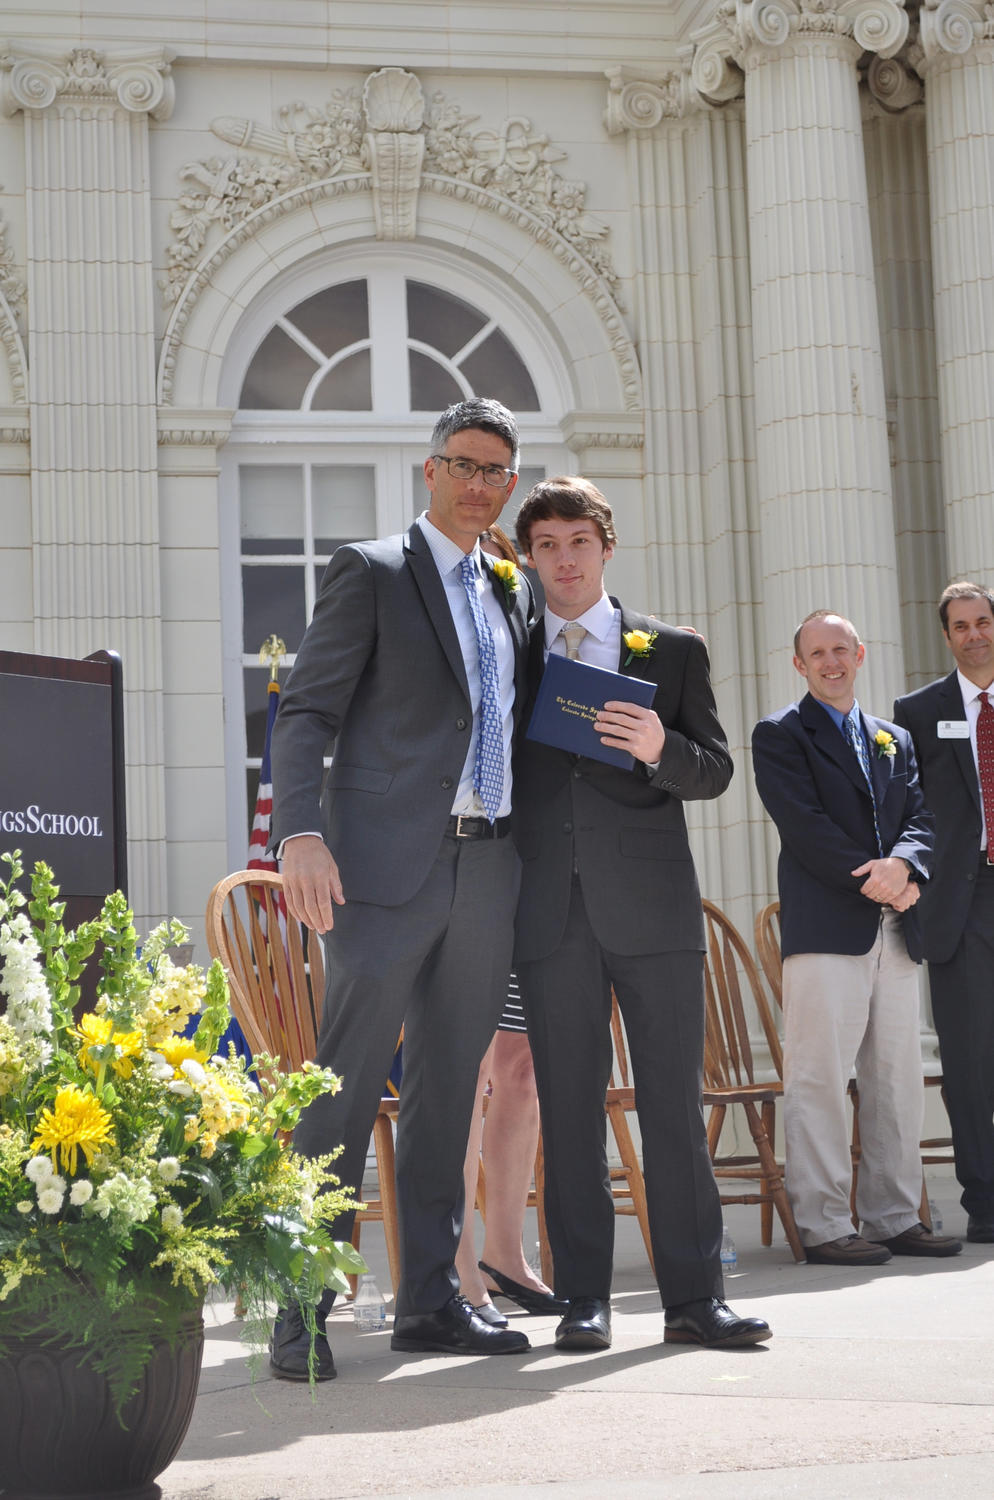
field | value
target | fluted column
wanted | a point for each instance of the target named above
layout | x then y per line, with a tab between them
897	174
691	312
956	61
92	390
826	514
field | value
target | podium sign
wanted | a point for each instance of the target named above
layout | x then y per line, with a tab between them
61	770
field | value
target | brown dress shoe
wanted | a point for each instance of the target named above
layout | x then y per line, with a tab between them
850	1250
921	1241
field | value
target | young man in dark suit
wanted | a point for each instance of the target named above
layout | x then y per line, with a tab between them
952	725
609	897
409	671
855	844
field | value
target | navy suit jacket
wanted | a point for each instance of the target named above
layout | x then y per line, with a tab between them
813	787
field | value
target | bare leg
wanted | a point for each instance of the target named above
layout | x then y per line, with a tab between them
510	1140
471	1281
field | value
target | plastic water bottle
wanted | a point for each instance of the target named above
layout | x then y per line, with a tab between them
729	1254
369	1310
935	1215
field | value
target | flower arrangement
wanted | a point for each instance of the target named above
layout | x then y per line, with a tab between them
640	643
139	1168
505	570
885	743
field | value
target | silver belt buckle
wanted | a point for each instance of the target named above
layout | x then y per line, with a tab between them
459	820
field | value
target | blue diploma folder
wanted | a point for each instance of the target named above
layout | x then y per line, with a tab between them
568	699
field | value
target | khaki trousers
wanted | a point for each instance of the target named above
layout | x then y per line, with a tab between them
844	1013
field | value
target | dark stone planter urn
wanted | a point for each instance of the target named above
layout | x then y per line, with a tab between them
62	1438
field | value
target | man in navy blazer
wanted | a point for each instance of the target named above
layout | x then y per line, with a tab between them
609	897
957	909
855	844
400	855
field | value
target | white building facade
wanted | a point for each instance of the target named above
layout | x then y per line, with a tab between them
732	261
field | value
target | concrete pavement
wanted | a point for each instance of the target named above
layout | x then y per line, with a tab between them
877	1383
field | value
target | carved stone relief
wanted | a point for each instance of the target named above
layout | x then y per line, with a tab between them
387	134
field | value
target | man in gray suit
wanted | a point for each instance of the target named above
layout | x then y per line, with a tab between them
609	897
409	671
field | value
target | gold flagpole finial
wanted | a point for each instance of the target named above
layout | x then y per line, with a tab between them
271	654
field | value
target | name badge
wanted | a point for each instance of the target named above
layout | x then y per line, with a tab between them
953	729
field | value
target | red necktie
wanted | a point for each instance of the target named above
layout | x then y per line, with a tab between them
985	762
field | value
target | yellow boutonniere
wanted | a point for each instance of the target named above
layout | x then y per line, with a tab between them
885	743
639	643
508	575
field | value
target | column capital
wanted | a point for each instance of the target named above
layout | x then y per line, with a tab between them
744	32
639	101
951	29
894	82
138	79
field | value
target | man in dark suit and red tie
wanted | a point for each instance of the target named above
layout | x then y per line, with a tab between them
410	671
609	896
952	725
855	847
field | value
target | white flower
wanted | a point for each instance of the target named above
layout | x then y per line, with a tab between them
50	1200
81	1192
58	1183
169	1168
194	1071
179	1086
172	1218
307	1207
129	1201
29	1008
25	1206
39	1169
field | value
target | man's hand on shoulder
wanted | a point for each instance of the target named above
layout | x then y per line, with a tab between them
629	726
886	881
311	882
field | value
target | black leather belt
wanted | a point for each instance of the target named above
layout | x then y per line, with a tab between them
460	826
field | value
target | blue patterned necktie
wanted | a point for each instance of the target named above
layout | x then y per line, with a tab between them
488	773
854	735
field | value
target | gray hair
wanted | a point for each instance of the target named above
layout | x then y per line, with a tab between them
482	412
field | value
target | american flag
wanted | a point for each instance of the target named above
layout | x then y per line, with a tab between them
259	855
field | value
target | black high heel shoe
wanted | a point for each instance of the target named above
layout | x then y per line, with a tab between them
528	1300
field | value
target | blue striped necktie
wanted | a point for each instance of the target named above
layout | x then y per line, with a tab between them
854	735
488	773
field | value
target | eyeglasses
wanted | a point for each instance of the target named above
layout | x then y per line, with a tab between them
464	468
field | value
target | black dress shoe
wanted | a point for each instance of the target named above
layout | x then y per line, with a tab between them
456	1328
587	1324
980	1229
489	1314
290	1348
921	1241
526	1297
712	1323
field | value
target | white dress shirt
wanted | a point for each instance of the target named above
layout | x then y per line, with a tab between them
448	556
601	646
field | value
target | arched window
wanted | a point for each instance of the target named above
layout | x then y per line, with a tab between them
336	397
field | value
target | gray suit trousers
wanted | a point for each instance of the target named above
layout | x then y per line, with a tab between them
438	965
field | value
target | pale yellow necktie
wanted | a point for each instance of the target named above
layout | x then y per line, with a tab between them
573	635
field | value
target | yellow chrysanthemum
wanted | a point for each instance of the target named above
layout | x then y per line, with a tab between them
97	1031
180	1049
76	1122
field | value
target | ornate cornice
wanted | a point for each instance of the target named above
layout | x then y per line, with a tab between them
189	427
584	430
745	33
951	29
382	139
636	101
138	79
14	426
